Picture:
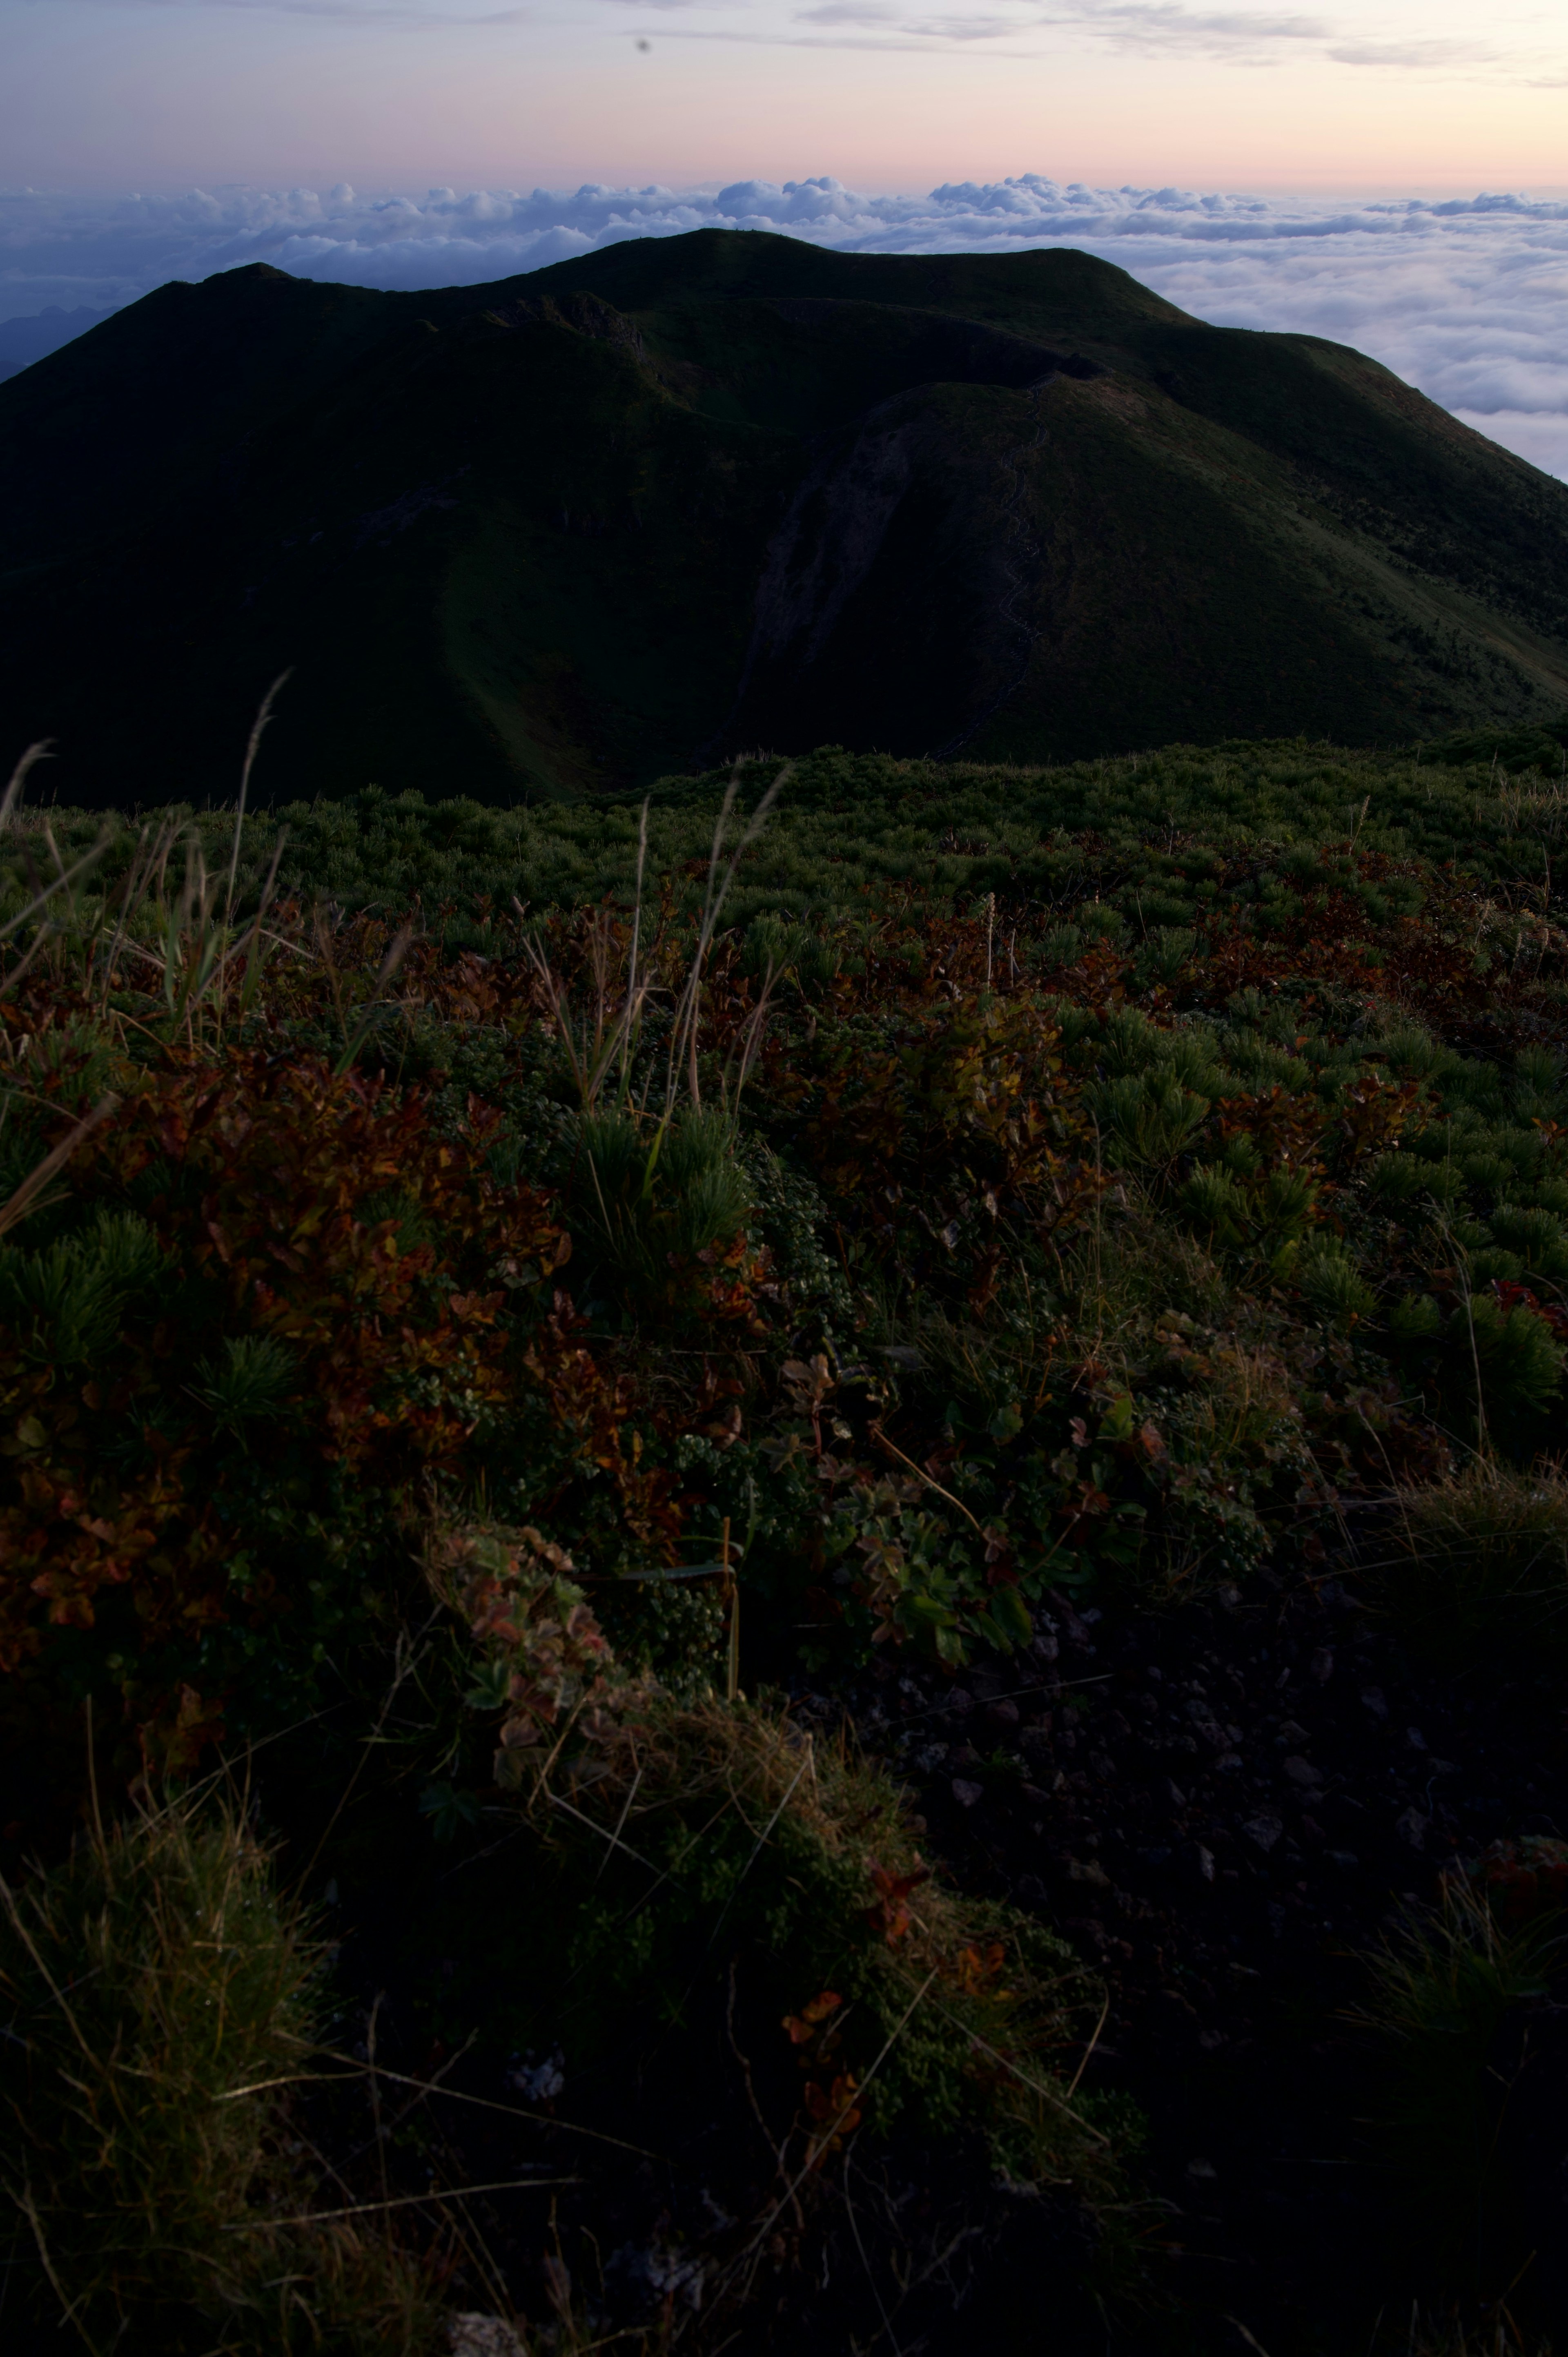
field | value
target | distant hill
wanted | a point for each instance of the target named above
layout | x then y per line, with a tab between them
564	533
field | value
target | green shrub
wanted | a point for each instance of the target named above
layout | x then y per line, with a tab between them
1147	1119
66	1302
1520	1359
1538	1238
1216	1204
1331	1281
680	1840
1165	952
1397	1177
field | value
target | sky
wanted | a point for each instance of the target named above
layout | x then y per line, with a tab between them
1392	173
1353	95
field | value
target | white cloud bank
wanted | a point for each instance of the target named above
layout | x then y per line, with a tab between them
1467	298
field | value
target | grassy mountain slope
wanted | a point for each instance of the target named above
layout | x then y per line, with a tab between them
624	516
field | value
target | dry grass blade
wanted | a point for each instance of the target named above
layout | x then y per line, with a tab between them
253	745
41	749
607	1034
721	876
65	879
481	2102
1430	2336
32	1186
435	2195
761	1842
1051	2096
744	2264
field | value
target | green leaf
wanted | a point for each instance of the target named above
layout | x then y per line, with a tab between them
489	1690
449	1809
1117	1421
1012	1614
1007	1423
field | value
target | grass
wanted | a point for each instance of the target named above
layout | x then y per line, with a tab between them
1445	1989
1434	2338
1484	1547
159	2001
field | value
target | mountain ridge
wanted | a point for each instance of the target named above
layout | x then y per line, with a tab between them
620	516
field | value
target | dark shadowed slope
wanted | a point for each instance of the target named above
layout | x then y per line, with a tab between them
563	533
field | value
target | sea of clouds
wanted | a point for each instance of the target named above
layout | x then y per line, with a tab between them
1467	298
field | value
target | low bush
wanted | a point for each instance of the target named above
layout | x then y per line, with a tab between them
360	1212
683	1840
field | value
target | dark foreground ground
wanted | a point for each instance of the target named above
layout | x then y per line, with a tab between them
1228	1808
1224	1808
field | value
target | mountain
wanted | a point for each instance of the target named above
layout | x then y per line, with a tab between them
25	340
560	534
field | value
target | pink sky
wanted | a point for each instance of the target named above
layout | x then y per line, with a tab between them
1413	95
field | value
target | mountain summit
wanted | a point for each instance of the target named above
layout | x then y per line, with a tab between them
686	496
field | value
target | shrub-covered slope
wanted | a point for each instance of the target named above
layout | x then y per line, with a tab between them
630	513
1218	1118
1052	1261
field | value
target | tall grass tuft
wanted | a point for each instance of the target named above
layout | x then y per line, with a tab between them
1485	1549
157	1997
1442	1989
1431	2336
652	1202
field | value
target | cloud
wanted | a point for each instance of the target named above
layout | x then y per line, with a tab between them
1158	25
1413	54
1467	298
377	13
1241	37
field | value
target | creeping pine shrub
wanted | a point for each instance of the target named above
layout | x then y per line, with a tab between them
1520	1360
1332	1283
1499	1365
1537	1235
157	1997
65	1303
1240	1210
1147	1119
